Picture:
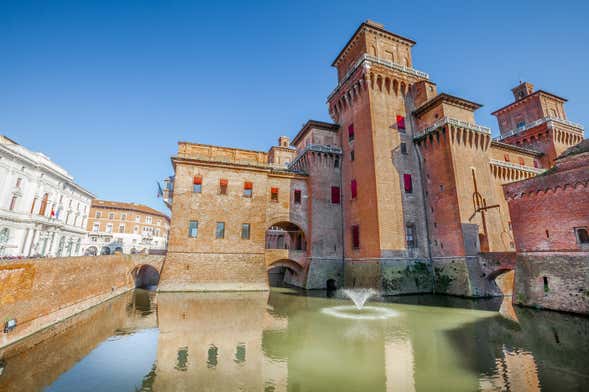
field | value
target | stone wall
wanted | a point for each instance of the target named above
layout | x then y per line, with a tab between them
214	272
40	292
557	281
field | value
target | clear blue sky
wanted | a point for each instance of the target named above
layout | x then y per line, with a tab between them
107	88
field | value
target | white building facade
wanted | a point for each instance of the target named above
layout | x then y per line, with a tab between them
43	212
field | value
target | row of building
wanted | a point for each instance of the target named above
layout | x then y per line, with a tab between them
44	213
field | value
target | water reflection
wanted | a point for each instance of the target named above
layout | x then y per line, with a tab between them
282	341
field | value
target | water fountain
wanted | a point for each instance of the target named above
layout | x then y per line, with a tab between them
359	296
359	311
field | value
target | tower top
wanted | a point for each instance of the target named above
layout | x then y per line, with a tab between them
522	90
376	29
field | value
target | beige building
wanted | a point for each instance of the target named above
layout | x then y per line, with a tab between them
125	227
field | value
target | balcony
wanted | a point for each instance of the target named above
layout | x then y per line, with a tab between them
452	121
551	121
371	59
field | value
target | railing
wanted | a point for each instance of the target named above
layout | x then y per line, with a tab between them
316	148
452	121
516	166
386	63
542	120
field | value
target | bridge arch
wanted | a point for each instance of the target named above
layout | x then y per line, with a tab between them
283	271
504	278
145	276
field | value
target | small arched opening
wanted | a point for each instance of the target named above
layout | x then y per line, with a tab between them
105	251
146	277
331	285
91	251
285	235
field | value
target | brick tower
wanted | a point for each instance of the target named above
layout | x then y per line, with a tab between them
537	120
384	222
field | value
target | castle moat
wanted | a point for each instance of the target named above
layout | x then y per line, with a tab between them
284	340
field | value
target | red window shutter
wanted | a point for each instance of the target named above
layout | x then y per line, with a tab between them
223	182
351	131
521	161
408	183
354	189
248	185
535	163
197	180
400	122
335	195
274	191
506	156
355	236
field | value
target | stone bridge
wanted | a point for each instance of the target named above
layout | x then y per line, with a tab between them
38	293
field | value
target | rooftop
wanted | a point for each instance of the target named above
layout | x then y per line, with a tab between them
371	25
447	98
96	203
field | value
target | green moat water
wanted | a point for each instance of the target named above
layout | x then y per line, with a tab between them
287	341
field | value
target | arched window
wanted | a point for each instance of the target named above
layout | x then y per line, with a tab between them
44	204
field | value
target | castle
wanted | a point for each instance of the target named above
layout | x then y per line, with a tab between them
403	191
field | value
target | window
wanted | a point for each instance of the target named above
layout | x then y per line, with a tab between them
44	202
506	157
193	229
138	218
136	229
547	234
509	225
521	124
521	161
13	203
274	194
96	227
220	230
223	186
98	214
248	189
401	123
111	216
148	219
582	235
197	184
410	236
245	231
545	281
109	228
536	165
297	196
355	236
408	183
352	155
121	228
123	216
351	132
336	162
335	195
354	189
404	148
